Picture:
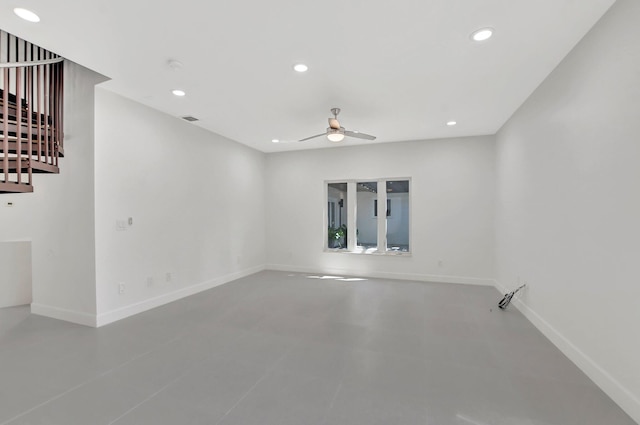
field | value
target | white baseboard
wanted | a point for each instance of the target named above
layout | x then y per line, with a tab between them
386	275
63	314
139	307
611	386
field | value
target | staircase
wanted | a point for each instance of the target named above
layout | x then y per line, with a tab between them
31	103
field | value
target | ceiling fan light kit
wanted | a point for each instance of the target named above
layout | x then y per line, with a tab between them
336	133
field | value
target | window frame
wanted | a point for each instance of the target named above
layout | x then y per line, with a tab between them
351	212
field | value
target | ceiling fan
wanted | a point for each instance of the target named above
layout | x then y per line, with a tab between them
336	133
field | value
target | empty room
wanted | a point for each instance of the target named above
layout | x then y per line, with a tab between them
292	212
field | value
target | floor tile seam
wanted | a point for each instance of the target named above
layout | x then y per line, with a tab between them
40	340
163	388
90	380
269	370
333	402
243	334
419	357
54	398
107	372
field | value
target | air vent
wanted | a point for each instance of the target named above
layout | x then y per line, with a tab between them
190	118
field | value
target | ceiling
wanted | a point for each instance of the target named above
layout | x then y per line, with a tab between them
398	70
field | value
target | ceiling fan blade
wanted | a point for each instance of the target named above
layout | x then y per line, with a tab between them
333	123
312	137
359	135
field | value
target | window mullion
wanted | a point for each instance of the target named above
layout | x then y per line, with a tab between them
352	200
382	215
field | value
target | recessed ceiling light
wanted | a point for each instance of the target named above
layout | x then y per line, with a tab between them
174	64
451	123
178	92
27	15
275	141
300	67
482	34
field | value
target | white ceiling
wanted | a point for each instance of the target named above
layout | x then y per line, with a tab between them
399	70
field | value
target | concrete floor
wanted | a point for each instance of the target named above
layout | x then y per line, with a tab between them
284	348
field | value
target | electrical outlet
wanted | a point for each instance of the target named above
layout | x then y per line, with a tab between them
9	204
168	277
121	288
150	281
440	263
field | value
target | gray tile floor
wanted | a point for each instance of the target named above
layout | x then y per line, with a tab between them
285	349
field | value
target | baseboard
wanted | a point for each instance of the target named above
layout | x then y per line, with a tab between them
139	307
78	317
614	389
386	275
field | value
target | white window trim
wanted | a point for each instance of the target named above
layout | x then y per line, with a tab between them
351	208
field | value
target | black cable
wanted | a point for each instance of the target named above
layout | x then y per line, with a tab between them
504	302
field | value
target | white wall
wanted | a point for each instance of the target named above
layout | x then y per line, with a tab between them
58	216
196	200
452	208
568	204
15	271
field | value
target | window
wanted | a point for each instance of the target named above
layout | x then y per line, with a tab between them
366	221
337	215
397	215
355	223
